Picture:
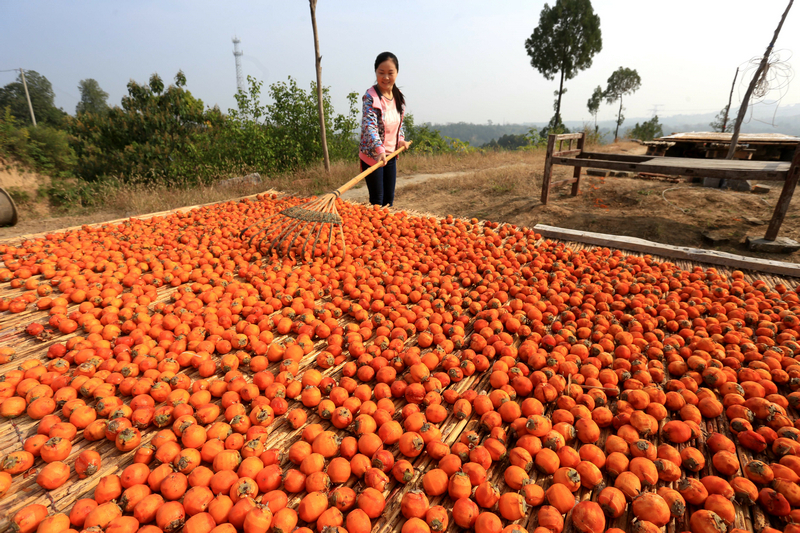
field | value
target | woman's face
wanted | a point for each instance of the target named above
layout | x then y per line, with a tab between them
386	75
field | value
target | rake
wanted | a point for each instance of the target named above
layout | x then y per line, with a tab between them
306	222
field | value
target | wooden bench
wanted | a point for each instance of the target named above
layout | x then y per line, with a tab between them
575	156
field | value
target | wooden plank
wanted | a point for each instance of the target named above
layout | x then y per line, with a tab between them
785	199
722	164
661	168
567	136
566	153
681	252
628	158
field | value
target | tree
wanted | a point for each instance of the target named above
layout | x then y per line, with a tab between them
159	133
593	105
564	42
648	130
93	98
623	81
720	122
42	99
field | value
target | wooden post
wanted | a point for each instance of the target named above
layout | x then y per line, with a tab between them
786	197
320	103
548	167
576	174
746	100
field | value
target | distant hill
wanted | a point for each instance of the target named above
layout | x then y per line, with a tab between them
785	119
480	134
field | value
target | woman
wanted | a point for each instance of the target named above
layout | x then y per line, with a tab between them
382	129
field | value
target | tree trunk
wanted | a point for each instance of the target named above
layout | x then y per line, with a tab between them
320	104
558	105
616	132
751	88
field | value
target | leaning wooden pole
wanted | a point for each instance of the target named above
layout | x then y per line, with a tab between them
753	82
320	103
730	100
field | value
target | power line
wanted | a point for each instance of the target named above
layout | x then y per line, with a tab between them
10	70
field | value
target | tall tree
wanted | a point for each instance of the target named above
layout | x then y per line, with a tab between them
42	99
564	42
623	81
593	105
93	98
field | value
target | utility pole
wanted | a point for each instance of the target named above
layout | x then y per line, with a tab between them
318	58
28	96
730	100
753	83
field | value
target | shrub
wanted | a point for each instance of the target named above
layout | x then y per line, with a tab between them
43	148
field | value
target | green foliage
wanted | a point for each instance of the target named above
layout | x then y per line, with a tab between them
623	81
72	194
284	135
93	98
426	140
165	134
720	124
647	131
42	100
564	42
159	133
44	148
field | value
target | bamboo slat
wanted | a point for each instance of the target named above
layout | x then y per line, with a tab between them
25	491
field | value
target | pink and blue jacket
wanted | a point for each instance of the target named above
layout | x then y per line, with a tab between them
372	131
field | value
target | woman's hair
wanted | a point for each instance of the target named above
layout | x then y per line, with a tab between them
399	99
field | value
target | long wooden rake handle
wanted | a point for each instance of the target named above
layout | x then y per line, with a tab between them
350	184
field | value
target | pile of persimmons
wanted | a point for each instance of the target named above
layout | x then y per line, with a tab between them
264	395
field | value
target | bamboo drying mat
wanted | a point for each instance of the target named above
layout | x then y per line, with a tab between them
25	491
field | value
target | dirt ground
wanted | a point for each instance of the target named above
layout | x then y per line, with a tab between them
681	214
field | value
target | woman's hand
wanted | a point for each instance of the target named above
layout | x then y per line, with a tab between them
404	144
381	159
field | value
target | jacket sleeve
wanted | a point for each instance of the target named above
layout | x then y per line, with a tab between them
370	137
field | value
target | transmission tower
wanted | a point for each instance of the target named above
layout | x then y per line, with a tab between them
238	55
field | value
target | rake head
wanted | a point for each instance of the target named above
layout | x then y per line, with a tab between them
298	231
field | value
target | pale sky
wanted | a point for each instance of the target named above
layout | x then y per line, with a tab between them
460	60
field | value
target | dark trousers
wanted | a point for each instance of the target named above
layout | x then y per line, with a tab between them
381	183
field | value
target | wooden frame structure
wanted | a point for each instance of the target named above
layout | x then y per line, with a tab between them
787	172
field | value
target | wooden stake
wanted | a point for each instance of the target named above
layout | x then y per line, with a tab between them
753	82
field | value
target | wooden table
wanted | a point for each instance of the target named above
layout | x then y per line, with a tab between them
787	172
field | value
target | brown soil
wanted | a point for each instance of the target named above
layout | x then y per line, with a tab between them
508	189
